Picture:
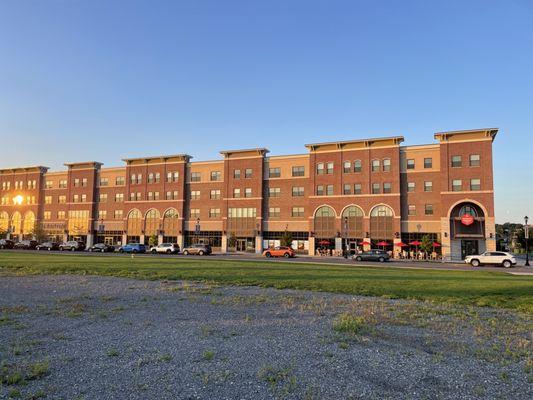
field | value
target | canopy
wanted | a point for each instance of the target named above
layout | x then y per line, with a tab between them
383	243
324	243
365	243
436	244
415	243
401	244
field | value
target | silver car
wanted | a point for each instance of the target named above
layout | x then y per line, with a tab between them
166	248
506	260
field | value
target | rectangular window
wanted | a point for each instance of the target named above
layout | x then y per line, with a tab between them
84	182
61	215
120	181
248	173
172	195
216	176
357	188
195	195
428	163
247	192
357	166
375	165
320	169
274	172
297	212
76	182
475	184
132	196
274	192
329	190
457	185
274	212
173	176
298	171
119	197
156	196
104	181
47	185
375	188
214	212
139	179
118	214
214	194
410	163
412	209
457	161
428	186
237	174
47	215
329	168
150	178
76	198
102	198
63	184
474	160
62	199
320	190
236	193
346	167
429	209
133	179
386	165
47	199
83	198
410	187
196	177
347	189
297	191
387	187
157	177
195	213
102	214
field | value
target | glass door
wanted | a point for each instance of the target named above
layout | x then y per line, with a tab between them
469	248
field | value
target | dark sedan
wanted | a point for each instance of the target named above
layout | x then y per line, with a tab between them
373	255
6	244
26	245
101	248
49	246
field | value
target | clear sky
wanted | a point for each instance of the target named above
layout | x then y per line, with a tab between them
103	80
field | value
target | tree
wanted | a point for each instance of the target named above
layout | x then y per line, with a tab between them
427	244
152	241
39	233
232	241
286	239
3	234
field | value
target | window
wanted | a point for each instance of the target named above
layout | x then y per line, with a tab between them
195	213
47	215
457	161
76	182
357	167
298	171
47	199
297	191
237	174
150	177
214	194
84	182
102	198
457	185
102	214
157	177
475	184
410	186
76	198
216	176
195	195
196	176
214	212
428	186
133	179
248	192
172	195
329	190
428	162
47	185
120	181
104	181
357	188
61	215
375	188
236	193
412	209
320	169
118	214
386	165
429	209
375	165
347	189
156	196
346	167
119	197
273	212
297	212
274	172
62	199
410	163
83	198
474	160
387	187
132	196
63	184
248	173
329	169
320	190
173	176
274	192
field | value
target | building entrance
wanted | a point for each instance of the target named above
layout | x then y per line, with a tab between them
469	248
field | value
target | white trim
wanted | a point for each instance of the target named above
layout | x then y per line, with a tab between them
352	205
324	205
486	214
382	204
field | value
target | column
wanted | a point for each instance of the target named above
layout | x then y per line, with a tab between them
124	239
141	239
90	240
65	237
311	246
258	244
367	247
396	250
338	244
490	229
181	243
159	239
445	239
224	244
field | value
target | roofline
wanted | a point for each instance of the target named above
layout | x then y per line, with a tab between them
343	142
263	150
41	167
491	131
186	156
83	162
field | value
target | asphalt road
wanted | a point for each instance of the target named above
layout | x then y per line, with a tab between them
519	269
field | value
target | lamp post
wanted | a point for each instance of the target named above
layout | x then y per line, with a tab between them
197	228
526	235
345	237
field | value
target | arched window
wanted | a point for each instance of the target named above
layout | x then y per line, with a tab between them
352	216
381	223
151	222
29	223
4	222
468	209
325	222
134	227
16	223
171	223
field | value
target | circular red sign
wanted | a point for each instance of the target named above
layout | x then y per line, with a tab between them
467	219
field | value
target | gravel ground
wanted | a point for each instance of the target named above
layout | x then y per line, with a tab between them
72	337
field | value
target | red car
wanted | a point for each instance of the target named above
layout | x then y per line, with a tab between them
279	251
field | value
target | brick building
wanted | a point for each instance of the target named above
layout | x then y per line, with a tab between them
336	194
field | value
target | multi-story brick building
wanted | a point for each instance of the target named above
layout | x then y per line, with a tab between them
337	194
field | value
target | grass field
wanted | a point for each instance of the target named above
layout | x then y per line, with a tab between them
492	289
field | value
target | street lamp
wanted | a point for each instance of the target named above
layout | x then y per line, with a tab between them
526	234
345	237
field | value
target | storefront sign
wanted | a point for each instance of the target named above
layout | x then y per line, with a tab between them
467	219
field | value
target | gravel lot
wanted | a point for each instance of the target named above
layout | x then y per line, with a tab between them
72	337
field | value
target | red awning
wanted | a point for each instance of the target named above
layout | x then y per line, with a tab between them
401	244
415	243
436	244
364	243
383	243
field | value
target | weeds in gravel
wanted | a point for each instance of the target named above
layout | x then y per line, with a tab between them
281	380
112	352
165	357
208	355
350	324
19	374
14	394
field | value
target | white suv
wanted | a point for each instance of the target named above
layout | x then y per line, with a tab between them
506	260
167	248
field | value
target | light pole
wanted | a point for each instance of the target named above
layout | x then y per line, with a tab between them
526	235
345	237
197	228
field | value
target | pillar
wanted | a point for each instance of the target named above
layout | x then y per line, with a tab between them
224	244
367	247
445	239
338	244
490	229
124	239
258	244
141	239
181	243
159	239
396	250
90	240
311	246
65	237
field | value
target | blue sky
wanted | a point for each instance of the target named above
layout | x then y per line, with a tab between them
103	80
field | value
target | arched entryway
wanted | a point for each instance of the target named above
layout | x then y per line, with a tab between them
151	224
382	223
352	219
170	226
4	223
28	227
325	232
16	226
467	229
134	226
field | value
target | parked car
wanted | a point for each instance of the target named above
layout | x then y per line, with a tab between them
132	248
26	245
6	244
48	246
72	245
506	260
373	255
279	251
199	249
167	248
102	248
